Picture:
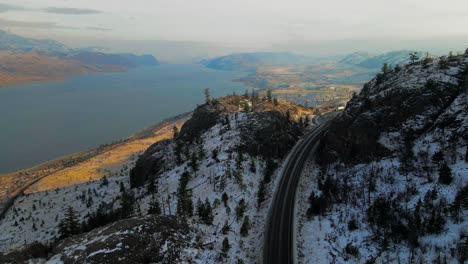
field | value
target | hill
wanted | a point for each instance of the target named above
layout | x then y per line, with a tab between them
216	178
25	60
375	61
251	61
392	176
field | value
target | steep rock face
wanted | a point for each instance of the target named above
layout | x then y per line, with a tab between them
269	134
148	239
204	117
153	161
412	99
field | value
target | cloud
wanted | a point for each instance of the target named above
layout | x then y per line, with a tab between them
99	28
6	7
32	24
71	11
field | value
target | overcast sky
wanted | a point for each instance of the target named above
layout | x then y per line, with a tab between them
307	26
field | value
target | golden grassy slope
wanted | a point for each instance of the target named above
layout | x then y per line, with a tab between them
111	161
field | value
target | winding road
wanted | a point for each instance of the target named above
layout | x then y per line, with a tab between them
279	237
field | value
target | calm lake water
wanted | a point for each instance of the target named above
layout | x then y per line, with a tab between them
44	121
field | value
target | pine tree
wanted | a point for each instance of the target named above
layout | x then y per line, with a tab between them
184	196
200	208
225	228
207	96
69	226
207	213
261	193
445	174
275	101
178	151
224	199
175	132
252	166
437	158
466	51
194	163
225	248
269	96
386	68
127	204
104	181
244	231
154	207
240	209
413	57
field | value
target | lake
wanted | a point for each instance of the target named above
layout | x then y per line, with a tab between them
44	121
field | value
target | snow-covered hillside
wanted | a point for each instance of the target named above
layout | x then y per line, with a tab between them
391	184
226	158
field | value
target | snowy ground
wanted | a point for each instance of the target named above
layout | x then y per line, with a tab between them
35	216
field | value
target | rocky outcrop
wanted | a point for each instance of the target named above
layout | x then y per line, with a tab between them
153	161
150	239
269	134
204	117
410	100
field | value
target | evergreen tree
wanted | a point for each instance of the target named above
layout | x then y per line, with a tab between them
261	193
386	68
207	216
225	248
244	231
240	209
397	68
269	96
207	96
275	101
246	94
127	204
225	228
466	51
224	199
104	181
445	174
184	196
154	207
413	57
437	158
69	225
178	151
252	166
175	132
194	163
200	208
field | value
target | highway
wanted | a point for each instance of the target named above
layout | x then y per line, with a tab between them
279	236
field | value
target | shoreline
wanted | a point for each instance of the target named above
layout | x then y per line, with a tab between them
83	166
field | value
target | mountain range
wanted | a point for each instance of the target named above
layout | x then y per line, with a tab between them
25	59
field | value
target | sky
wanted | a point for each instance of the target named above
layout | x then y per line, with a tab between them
191	28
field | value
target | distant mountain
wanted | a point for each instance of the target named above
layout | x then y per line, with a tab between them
12	42
124	60
372	61
25	59
250	61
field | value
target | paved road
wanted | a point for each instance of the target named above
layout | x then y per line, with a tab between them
279	237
